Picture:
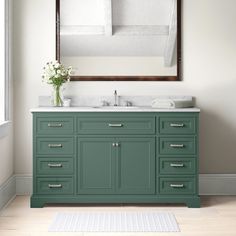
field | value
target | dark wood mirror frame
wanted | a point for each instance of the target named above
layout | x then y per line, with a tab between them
127	78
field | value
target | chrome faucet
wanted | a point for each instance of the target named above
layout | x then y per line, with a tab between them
115	99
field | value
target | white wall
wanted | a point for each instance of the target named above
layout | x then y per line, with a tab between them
33	46
6	157
208	66
6	142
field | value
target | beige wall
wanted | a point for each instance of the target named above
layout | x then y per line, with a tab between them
209	68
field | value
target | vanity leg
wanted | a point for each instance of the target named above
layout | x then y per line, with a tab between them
194	203
36	203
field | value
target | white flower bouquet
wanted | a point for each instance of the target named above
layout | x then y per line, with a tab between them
56	74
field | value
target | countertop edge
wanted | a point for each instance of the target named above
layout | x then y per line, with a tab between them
84	109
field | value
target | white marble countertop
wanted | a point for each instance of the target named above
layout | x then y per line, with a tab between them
112	109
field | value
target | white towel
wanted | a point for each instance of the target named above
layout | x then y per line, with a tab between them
169	103
163	103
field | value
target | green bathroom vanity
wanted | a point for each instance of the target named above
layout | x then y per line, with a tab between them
104	156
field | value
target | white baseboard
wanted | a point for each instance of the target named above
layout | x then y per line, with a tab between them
7	191
209	184
217	184
24	184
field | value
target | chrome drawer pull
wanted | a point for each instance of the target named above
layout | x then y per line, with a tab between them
59	165
176	125
176	165
177	145
54	125
115	125
54	145
55	185
176	185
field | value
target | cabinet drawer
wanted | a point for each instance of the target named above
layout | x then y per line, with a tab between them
177	166
177	125
177	145
54	166
177	185
54	146
54	125
55	186
112	125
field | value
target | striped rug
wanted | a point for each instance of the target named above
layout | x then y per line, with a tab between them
145	221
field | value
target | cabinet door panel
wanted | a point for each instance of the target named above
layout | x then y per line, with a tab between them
96	166
136	166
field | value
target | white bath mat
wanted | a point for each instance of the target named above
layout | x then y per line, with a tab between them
144	221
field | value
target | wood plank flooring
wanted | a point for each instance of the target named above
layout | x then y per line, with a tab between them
216	217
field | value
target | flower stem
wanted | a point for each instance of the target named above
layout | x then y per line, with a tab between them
58	100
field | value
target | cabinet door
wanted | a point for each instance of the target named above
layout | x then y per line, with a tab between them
96	166
135	165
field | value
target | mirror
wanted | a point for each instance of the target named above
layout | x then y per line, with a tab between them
120	40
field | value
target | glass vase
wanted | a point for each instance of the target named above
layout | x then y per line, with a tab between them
57	96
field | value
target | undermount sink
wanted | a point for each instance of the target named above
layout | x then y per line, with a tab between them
120	107
117	107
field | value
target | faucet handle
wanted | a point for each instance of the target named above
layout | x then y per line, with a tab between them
128	103
105	103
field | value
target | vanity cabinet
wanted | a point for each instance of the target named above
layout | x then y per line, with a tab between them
115	157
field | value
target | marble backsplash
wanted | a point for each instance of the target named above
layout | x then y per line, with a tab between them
96	101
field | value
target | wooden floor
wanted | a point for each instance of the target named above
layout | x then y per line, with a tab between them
216	217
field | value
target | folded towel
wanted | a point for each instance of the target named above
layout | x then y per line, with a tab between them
163	103
172	103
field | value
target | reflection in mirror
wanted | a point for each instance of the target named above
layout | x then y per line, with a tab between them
120	39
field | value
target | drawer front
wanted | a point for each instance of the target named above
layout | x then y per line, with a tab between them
177	166
177	125
54	146
55	166
54	125
55	186
104	125
177	185
177	145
